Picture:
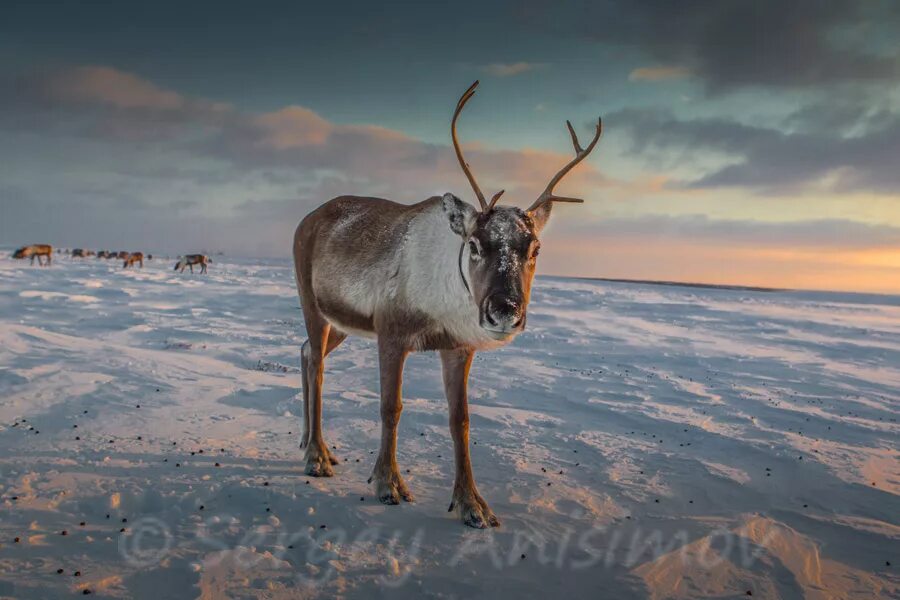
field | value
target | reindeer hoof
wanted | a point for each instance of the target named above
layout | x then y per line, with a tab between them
318	462
473	511
391	489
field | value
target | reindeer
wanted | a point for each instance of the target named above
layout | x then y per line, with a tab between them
35	251
437	275
134	258
78	253
189	260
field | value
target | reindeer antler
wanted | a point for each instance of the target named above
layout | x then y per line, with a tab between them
485	207
580	154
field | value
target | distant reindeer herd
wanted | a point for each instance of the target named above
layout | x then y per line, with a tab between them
129	259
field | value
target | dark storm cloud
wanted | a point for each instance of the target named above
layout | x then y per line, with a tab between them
730	44
776	160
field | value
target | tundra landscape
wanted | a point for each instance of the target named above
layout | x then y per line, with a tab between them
647	441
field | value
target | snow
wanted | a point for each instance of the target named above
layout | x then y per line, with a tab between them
637	441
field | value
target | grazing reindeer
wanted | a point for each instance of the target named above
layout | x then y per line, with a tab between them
189	260
35	251
102	254
437	275
78	253
134	258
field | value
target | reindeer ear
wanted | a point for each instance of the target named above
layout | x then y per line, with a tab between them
540	215
461	215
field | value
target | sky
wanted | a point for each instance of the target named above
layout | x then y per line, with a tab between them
747	142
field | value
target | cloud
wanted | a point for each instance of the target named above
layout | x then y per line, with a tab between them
510	69
107	104
658	73
113	145
775	159
743	43
823	234
105	85
103	103
292	127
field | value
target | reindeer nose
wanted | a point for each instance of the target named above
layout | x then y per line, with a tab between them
503	313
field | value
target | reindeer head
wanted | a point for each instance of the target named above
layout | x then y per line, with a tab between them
500	244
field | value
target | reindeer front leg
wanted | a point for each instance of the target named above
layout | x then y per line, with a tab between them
470	506
389	486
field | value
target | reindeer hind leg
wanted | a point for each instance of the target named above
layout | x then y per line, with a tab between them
335	338
318	458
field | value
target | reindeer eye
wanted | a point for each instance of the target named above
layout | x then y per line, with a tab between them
473	249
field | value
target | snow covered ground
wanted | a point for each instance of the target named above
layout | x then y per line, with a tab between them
638	441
